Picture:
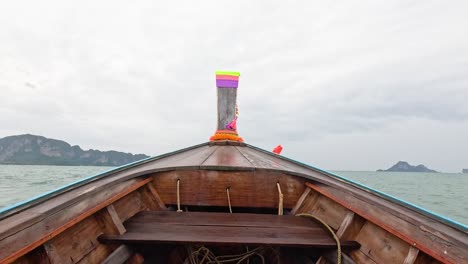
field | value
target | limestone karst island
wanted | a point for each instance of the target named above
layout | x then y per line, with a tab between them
37	150
403	166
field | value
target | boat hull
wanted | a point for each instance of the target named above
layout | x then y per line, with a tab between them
71	225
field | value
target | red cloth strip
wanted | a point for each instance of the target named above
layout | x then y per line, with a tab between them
227	77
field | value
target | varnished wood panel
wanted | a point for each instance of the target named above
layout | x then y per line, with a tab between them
268	161
97	255
225	228
147	198
411	256
156	196
37	256
247	189
109	221
329	211
227	156
129	205
119	255
220	219
345	224
353	228
309	202
227	236
359	257
75	243
111	224
300	201
380	245
423	258
52	253
192	158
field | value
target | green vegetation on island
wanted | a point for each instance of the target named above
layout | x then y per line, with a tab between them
37	150
403	166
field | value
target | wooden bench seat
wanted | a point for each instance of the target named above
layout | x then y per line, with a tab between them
154	227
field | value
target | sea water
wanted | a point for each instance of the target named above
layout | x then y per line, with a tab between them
442	193
22	182
445	194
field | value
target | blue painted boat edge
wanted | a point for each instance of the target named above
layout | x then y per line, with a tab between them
81	182
362	186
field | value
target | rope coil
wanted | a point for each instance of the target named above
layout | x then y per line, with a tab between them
203	255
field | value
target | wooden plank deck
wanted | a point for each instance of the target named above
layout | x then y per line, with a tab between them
152	227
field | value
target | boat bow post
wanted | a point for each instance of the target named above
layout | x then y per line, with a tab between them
227	83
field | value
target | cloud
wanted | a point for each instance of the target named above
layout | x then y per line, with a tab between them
139	76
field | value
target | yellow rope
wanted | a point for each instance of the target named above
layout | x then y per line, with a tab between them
178	196
280	203
338	244
229	200
203	255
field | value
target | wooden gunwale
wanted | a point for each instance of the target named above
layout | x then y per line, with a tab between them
51	234
417	240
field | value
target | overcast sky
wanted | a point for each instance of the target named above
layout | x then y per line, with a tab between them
348	85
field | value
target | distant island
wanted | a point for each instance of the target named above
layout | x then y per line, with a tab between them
465	171
38	150
403	166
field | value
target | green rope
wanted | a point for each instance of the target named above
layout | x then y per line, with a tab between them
338	244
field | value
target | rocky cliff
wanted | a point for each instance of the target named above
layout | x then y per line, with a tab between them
37	150
404	166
